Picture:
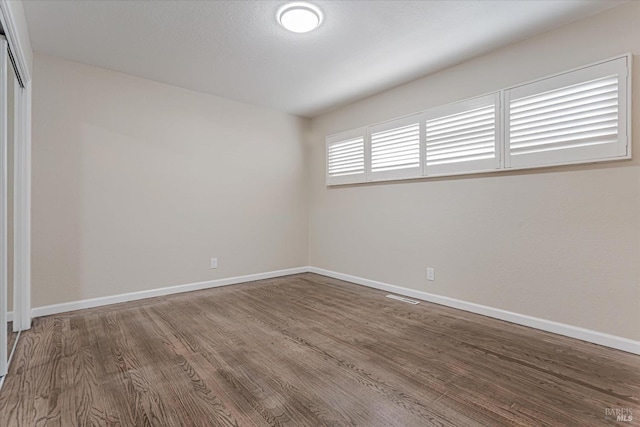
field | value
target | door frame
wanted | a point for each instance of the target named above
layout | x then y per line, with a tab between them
22	172
4	71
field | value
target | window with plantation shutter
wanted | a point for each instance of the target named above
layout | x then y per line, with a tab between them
580	116
574	117
463	137
395	149
345	157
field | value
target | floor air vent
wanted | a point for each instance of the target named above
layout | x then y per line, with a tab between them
403	299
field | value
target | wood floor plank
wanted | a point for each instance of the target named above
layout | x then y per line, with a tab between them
35	365
306	350
231	346
144	402
205	376
345	366
181	382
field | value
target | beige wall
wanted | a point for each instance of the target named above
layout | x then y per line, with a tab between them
137	184
561	244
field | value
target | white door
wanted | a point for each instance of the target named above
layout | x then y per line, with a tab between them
3	207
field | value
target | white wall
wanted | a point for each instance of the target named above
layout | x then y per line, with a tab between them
561	244
137	184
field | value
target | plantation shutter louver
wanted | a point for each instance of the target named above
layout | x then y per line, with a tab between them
395	149
463	137
345	157
579	116
573	117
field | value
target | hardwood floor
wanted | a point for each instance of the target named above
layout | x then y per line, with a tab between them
306	350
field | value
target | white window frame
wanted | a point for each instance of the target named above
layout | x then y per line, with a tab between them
597	153
472	166
406	173
344	136
620	65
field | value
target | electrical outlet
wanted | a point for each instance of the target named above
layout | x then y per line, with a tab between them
431	273
214	262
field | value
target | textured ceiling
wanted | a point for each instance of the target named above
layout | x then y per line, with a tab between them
237	50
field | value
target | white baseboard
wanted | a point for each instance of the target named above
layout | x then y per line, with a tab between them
133	296
10	316
588	335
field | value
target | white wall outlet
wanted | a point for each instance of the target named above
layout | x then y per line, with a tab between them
214	262
431	273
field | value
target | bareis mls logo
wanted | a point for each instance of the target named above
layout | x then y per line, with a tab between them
619	414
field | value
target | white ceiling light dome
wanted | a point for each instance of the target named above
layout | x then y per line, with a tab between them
299	17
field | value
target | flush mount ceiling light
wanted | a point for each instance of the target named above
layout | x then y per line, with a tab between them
299	17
